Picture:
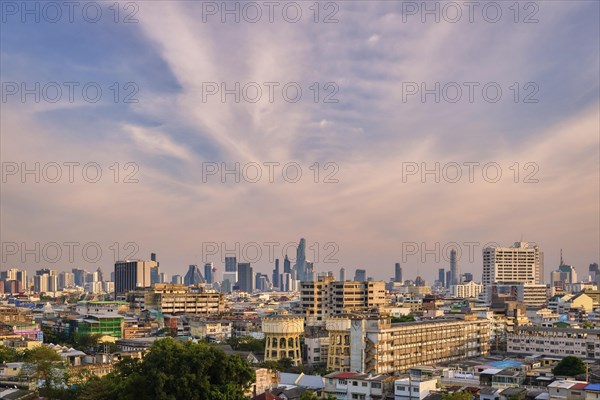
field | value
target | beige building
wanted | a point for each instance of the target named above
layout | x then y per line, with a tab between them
557	342
177	299
469	290
282	337
327	297
374	345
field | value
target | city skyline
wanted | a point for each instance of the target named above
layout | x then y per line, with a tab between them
372	147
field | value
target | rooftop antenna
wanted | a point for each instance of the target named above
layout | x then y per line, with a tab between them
561	258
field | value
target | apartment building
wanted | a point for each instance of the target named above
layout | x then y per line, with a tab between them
327	297
558	342
177	299
353	386
469	290
521	263
372	344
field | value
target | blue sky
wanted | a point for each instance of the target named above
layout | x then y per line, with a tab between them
370	54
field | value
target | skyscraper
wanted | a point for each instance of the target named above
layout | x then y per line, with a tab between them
521	263
231	264
454	280
301	268
276	274
131	274
442	277
398	273
287	265
79	276
448	279
193	276
594	272
342	274
245	277
208	273
360	275
177	279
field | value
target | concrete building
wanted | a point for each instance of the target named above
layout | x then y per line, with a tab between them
352	385
372	344
521	263
282	338
177	299
556	342
130	275
467	290
326	297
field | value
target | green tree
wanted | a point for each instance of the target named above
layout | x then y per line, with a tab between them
308	395
173	370
46	366
8	354
569	366
330	397
403	318
457	396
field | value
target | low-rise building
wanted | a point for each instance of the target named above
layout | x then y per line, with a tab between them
560	342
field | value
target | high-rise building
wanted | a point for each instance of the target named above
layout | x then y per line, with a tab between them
454	274
342	274
286	283
276	274
231	264
467	277
131	275
262	282
79	276
398	273
448	279
565	274
177	280
360	275
326	297
245	277
287	265
301	267
594	272
193	276
521	263
442	277
66	280
208	273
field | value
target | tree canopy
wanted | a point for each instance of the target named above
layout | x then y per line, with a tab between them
172	370
569	366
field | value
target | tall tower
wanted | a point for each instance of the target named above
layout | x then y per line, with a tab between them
230	264
398	273
342	274
245	277
276	274
453	268
208	272
301	274
287	265
442	277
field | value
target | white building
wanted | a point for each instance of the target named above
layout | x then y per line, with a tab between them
469	290
412	389
521	263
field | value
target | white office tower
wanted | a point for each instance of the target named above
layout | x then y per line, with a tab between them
522	263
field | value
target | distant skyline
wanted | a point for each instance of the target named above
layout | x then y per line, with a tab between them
363	194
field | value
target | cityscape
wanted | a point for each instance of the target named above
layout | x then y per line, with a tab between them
299	200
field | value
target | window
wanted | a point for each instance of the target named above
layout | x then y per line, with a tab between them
354	383
415	389
400	388
376	385
364	384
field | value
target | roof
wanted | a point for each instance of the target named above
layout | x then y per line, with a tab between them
564	384
341	375
491	371
306	381
593	387
505	364
266	396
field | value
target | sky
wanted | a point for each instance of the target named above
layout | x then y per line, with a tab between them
380	131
